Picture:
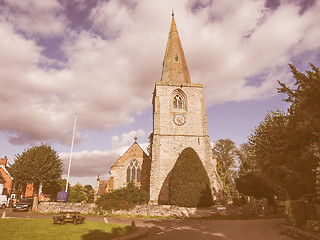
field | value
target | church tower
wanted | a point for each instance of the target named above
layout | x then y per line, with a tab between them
179	121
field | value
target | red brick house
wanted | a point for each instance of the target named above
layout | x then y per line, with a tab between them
6	181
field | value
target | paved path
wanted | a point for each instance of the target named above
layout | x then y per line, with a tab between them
193	229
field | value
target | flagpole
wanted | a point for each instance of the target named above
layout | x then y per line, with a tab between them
74	130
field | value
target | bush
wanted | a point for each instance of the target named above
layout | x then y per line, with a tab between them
298	212
189	185
123	198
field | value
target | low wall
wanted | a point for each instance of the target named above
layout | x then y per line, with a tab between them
166	211
84	208
156	210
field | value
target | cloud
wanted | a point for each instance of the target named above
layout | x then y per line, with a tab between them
107	65
126	138
36	17
93	163
89	164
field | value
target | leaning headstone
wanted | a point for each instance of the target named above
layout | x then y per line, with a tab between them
4	215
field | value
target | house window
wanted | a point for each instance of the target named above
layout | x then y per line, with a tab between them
133	172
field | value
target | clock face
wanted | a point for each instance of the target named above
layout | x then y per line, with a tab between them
179	119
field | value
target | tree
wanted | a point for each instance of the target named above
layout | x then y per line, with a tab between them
52	188
90	193
226	153
189	184
305	120
285	146
37	165
77	194
250	181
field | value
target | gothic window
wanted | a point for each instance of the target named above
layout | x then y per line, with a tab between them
179	99
133	172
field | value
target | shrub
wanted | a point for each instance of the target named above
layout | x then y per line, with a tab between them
189	185
123	198
296	212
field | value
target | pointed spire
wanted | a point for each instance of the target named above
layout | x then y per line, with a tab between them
175	69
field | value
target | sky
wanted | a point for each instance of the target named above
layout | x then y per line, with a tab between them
100	59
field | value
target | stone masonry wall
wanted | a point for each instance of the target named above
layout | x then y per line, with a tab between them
169	140
247	210
55	207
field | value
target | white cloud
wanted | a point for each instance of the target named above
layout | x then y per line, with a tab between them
126	138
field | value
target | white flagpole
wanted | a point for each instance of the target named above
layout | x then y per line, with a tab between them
74	130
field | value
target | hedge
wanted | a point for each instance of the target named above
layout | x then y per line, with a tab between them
189	185
299	212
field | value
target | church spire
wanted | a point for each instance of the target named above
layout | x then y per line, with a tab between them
175	69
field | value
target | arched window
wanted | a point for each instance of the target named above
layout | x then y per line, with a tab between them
179	100
133	172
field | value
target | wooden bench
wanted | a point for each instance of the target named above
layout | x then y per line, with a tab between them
58	219
63	216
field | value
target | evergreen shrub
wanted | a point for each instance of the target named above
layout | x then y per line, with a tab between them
189	184
123	198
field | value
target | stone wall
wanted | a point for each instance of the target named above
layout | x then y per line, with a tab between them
248	210
166	211
55	207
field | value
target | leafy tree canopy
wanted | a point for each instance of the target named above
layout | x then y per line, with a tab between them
226	153
39	164
284	148
79	193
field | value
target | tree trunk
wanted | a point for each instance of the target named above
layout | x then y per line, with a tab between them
35	196
35	202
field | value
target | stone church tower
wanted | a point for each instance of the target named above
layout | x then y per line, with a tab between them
179	121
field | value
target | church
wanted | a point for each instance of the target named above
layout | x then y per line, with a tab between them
179	122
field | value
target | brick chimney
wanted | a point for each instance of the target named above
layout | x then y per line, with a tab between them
3	161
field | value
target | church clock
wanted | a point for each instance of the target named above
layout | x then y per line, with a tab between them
179	119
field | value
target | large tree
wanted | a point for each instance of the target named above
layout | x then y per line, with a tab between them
304	121
285	146
226	153
37	165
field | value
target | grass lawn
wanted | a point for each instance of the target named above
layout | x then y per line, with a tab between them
34	229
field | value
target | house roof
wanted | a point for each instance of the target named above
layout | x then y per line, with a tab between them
6	171
133	151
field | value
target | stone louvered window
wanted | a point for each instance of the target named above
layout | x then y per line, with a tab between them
133	172
179	99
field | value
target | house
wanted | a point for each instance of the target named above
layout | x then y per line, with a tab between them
6	181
